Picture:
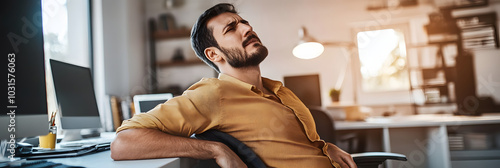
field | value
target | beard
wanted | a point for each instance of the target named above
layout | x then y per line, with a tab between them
240	58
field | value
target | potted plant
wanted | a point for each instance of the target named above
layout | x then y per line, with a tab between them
335	95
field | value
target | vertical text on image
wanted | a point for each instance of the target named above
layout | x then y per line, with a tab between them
11	106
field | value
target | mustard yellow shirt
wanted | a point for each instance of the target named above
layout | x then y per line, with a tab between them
279	129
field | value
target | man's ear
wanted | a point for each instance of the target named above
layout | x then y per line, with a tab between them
213	54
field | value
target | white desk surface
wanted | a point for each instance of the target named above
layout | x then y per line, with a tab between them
422	120
103	159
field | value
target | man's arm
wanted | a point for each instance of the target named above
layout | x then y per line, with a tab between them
152	143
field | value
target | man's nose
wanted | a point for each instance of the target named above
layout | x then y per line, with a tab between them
246	29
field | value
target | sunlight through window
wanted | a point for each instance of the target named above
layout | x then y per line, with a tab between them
382	56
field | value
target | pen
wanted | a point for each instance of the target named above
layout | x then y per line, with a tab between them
52	118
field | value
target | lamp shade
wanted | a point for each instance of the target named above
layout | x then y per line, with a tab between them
308	50
308	47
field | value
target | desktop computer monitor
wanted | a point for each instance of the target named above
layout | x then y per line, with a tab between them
21	47
306	88
76	99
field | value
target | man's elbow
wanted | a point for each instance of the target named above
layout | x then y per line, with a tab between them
119	148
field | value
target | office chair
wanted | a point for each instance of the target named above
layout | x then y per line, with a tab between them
246	154
326	130
252	160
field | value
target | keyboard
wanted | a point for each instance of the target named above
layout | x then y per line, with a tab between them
86	142
35	164
67	152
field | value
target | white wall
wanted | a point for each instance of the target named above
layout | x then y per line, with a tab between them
119	52
124	54
276	23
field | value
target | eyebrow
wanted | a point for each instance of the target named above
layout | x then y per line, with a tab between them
233	24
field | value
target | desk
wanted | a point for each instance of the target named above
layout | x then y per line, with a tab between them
422	120
424	139
103	159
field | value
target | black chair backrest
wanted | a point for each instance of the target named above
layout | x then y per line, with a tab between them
246	154
324	125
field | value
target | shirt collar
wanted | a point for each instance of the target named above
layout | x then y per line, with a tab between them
271	85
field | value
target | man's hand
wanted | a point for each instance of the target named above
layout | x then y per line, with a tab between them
226	158
343	158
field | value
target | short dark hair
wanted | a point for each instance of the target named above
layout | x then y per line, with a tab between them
202	37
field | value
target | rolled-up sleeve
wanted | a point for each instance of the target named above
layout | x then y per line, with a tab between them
196	111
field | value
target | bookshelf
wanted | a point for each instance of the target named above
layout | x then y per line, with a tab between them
156	35
448	79
478	31
433	74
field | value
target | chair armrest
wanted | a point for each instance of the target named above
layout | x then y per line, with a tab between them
246	154
375	158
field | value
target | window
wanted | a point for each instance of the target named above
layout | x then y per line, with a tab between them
66	37
383	63
66	31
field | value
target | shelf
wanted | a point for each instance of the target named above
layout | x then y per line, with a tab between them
423	86
171	34
434	81
436	68
163	64
463	4
433	85
428	104
488	154
443	42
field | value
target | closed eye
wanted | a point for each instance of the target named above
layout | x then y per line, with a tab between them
230	27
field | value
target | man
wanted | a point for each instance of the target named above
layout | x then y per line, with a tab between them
258	111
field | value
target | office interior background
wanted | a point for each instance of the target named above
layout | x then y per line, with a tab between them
118	43
122	45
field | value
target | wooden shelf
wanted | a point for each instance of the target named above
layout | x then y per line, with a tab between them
431	104
171	34
462	4
423	86
163	64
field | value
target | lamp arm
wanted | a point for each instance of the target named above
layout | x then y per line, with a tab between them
339	44
347	46
340	79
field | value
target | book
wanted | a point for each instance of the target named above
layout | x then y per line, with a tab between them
116	112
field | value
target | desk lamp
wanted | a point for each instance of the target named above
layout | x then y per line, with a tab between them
309	47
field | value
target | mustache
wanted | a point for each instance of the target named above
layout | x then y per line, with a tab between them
249	38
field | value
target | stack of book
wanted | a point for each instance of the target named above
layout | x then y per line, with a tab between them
456	141
478	31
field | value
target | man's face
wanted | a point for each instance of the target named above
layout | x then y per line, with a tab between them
237	40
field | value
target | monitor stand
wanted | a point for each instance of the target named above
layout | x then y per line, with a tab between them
79	134
4	159
72	135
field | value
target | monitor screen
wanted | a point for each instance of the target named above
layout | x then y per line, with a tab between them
306	87
145	106
21	46
75	96
144	103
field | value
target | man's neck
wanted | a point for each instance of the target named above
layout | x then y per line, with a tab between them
250	75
